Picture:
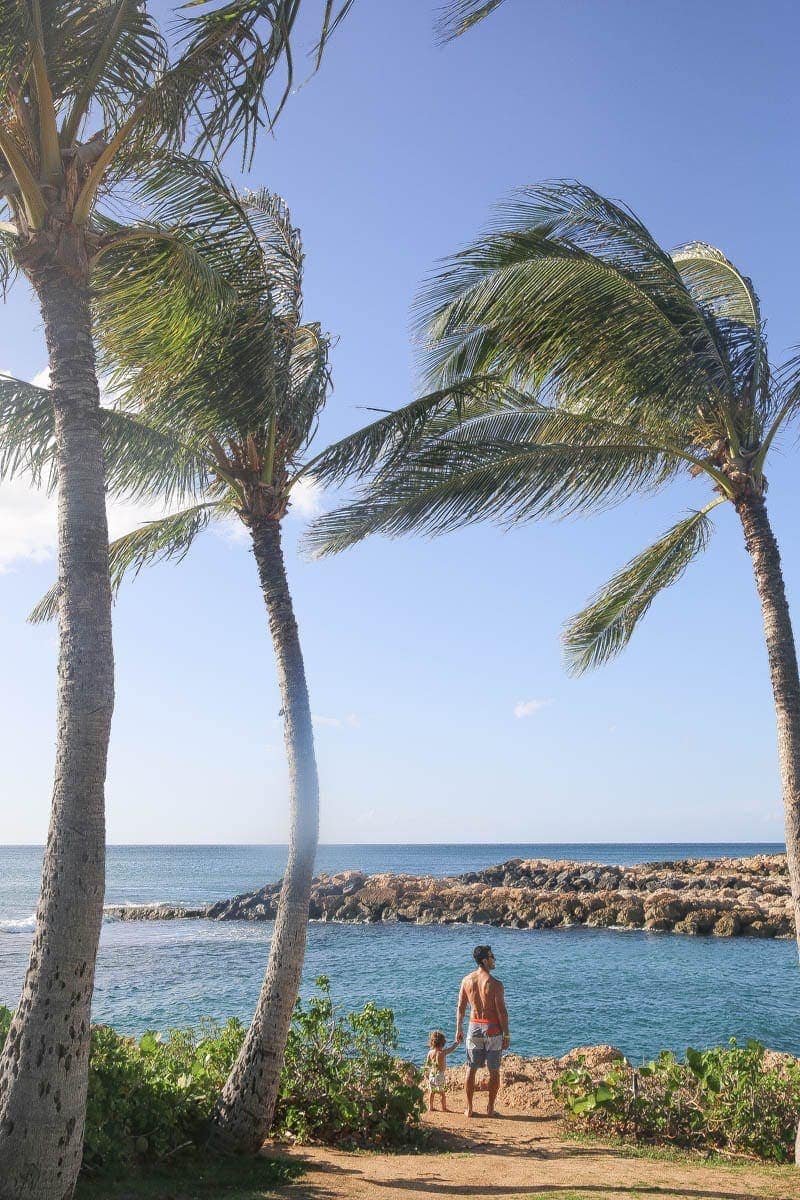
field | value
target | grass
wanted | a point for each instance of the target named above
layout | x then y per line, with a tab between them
195	1179
676	1154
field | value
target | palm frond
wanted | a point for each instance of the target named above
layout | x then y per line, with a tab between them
167	285
170	537
27	431
308	384
458	16
460	479
785	406
47	608
141	461
147	261
227	372
572	324
572	292
602	629
215	92
108	58
388	439
731	303
8	266
281	249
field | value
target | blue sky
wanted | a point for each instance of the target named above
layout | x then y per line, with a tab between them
419	652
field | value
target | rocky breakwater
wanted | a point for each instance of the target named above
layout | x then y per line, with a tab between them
727	897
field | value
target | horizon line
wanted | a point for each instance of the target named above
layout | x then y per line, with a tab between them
420	845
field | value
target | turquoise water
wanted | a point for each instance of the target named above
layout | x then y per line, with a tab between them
639	991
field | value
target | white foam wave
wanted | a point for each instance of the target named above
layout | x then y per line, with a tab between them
26	925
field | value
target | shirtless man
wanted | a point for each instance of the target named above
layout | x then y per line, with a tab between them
487	1032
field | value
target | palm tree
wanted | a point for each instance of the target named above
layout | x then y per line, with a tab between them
601	367
235	418
66	65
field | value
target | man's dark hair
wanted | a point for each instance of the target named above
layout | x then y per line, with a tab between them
480	953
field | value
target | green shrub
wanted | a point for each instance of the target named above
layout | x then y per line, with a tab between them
151	1099
726	1098
343	1081
5	1023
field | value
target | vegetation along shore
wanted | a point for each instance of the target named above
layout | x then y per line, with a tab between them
726	897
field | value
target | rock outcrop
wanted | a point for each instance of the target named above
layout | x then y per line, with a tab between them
526	1084
727	897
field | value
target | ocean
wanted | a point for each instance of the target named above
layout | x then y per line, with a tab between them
640	991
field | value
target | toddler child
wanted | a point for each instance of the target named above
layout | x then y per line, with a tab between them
435	1064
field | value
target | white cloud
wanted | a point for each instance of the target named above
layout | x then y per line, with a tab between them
351	721
29	517
528	708
27	524
231	529
306	498
332	722
42	378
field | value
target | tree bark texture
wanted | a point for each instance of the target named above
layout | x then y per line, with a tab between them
246	1107
43	1070
763	550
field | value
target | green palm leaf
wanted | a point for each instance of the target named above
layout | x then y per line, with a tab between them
108	56
388	439
26	430
187	242
141	461
458	16
227	372
8	267
216	90
571	291
602	629
170	537
459	480
729	300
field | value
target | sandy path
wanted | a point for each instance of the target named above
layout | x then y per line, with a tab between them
524	1156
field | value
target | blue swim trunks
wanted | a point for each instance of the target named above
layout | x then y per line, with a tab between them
484	1044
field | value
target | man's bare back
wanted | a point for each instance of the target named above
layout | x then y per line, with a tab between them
486	998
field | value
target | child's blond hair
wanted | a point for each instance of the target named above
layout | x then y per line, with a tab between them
437	1039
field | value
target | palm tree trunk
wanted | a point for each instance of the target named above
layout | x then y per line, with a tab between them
246	1107
44	1066
763	550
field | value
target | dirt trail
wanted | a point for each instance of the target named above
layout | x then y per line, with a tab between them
519	1156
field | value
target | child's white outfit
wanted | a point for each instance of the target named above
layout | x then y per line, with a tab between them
435	1076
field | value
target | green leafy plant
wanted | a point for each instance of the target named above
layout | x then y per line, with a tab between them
151	1099
729	1098
343	1081
5	1023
